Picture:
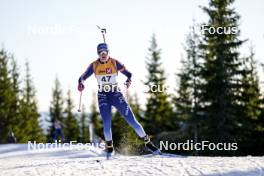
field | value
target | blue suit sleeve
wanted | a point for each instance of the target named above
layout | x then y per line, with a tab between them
86	74
123	70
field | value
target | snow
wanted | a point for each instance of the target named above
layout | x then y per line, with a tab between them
16	159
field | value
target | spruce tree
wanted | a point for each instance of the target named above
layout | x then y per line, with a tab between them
20	114
71	128
84	126
183	99
15	107
30	129
187	99
250	136
95	120
158	114
221	73
7	97
56	107
261	128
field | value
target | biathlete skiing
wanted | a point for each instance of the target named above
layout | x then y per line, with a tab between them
106	69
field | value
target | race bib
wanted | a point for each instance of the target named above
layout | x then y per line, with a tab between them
107	79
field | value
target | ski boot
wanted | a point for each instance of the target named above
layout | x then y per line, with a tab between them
109	149
150	146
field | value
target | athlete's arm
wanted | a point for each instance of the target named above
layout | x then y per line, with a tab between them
122	69
86	74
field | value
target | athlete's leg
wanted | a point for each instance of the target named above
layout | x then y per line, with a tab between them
55	134
62	135
105	111
118	100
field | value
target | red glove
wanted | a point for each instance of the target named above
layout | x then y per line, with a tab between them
128	83
80	87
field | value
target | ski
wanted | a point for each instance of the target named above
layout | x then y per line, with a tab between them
156	152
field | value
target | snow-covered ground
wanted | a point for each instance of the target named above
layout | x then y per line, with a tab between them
15	159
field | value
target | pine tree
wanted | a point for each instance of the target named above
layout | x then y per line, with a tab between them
30	129
84	126
7	97
221	74
56	107
158	112
71	128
